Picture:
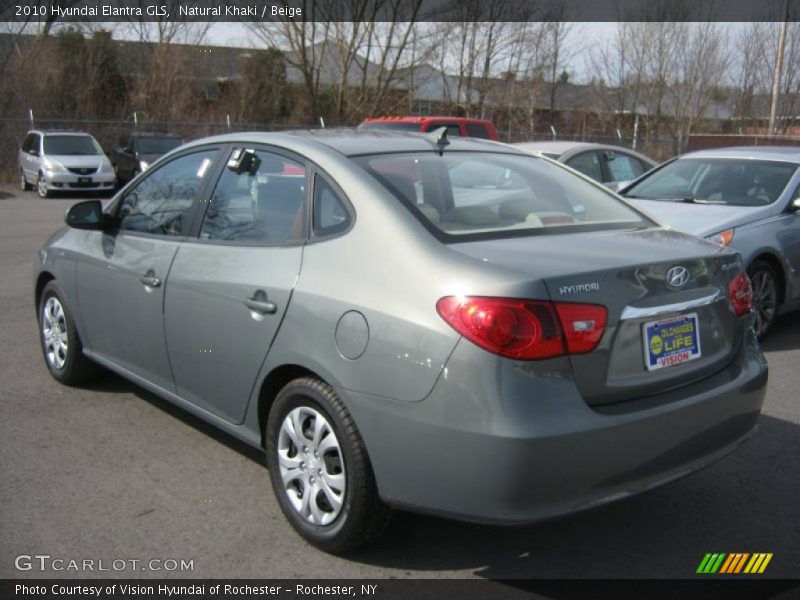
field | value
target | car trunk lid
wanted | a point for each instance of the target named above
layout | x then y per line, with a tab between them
662	330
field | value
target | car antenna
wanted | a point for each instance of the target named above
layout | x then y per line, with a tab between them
439	137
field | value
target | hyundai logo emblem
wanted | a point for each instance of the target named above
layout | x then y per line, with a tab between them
677	276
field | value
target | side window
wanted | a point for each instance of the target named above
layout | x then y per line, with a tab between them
588	164
262	207
161	202
330	212
477	130
622	167
452	128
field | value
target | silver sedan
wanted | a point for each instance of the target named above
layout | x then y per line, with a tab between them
745	198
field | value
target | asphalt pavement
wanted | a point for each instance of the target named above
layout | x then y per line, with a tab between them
111	472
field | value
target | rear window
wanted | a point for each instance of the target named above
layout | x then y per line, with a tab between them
156	144
71	144
473	195
477	130
392	126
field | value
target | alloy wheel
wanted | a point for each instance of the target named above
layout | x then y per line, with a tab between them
311	466
54	331
765	299
41	186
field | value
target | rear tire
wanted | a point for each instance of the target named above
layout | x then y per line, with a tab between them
320	470
61	345
765	296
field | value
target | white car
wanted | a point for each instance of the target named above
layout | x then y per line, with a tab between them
57	161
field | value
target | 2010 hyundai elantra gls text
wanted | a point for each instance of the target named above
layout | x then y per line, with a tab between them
407	321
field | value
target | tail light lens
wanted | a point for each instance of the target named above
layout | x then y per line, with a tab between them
741	292
525	329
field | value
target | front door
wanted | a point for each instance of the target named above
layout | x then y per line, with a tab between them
229	288
123	274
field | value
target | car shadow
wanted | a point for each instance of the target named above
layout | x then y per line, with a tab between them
784	334
114	384
746	502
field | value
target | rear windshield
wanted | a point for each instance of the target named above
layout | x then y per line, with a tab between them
474	195
71	144
157	145
393	126
737	182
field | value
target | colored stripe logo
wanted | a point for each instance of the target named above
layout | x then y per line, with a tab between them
734	563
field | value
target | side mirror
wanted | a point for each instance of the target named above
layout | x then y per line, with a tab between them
86	215
33	152
795	205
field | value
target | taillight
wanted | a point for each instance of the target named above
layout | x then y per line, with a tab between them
583	325
741	292
525	329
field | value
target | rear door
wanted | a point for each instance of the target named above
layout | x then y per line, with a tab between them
122	275
230	285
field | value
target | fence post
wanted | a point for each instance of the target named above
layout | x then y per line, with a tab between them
635	131
30	116
322	122
553	131
228	121
135	120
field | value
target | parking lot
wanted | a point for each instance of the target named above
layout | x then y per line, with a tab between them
110	471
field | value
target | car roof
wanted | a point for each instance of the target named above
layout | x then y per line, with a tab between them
153	134
781	153
421	119
354	142
59	132
558	146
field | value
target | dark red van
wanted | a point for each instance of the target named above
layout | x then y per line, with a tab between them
456	126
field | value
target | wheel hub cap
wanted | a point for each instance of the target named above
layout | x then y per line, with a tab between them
54	332
311	466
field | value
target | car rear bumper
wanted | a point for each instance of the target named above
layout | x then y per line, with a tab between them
528	447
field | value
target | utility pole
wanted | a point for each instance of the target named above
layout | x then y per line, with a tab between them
776	80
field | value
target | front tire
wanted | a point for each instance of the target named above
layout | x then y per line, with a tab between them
61	345
41	186
765	296
320	470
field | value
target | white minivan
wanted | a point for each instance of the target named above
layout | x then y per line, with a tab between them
56	161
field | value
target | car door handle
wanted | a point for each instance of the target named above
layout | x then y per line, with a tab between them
261	305
150	280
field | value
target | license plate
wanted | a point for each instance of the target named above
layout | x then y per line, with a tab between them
671	341
84	180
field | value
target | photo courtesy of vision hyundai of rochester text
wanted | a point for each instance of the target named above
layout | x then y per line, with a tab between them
409	321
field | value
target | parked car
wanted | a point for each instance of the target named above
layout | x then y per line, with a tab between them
456	126
392	339
613	166
138	150
747	198
57	161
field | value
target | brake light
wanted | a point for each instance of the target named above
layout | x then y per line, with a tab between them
525	329
741	292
